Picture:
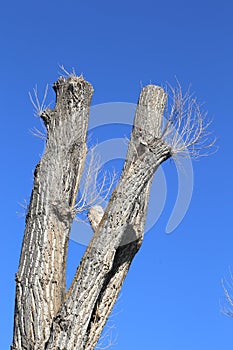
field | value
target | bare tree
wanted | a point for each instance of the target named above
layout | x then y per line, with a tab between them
46	315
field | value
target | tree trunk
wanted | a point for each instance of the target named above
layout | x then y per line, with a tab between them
46	317
150	109
41	278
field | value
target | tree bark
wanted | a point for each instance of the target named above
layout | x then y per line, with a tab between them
46	317
41	278
104	265
147	121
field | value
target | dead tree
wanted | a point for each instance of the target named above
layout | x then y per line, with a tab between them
46	315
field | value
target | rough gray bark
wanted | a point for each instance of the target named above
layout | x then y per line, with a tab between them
147	125
46	317
40	280
74	326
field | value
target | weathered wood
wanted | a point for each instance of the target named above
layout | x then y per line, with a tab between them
41	278
147	121
46	317
106	262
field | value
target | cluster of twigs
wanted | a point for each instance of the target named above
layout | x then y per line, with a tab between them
186	127
96	185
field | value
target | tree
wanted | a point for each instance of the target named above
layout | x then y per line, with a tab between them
46	315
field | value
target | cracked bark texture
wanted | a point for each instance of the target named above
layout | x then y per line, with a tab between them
41	278
46	317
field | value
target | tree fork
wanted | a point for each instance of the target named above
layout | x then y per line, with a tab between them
46	317
105	264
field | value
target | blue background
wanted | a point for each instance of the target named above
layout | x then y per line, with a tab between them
172	296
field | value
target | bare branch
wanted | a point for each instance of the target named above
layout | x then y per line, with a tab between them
25	206
38	133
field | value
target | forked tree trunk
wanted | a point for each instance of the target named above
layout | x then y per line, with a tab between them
46	316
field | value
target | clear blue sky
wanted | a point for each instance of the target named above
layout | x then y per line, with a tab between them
171	297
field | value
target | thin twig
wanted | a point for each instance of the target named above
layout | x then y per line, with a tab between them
66	73
186	128
39	107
